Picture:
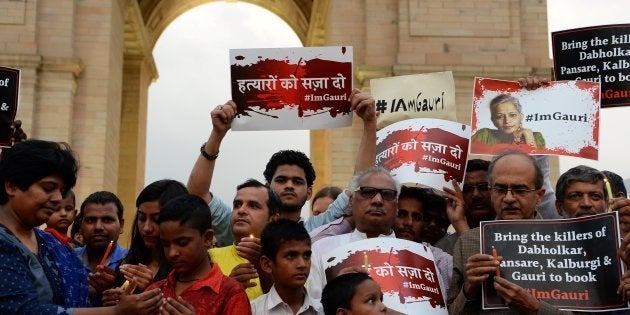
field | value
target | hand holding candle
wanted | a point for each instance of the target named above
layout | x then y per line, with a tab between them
128	287
131	287
107	251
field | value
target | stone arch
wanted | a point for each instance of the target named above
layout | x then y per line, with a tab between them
144	22
159	14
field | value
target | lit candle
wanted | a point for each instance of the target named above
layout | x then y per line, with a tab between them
251	235
496	258
610	195
124	286
109	249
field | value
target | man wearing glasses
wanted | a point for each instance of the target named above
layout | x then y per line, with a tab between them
516	187
580	192
476	199
374	202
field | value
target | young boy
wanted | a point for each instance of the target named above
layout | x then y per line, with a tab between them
353	293
286	255
195	282
60	220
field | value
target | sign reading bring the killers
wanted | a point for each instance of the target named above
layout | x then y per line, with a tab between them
597	54
572	264
9	90
404	270
291	88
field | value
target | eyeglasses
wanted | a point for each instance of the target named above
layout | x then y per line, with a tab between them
471	188
369	193
519	192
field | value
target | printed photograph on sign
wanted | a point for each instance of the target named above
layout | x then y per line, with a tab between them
9	93
560	118
572	264
424	151
405	271
597	54
291	88
429	95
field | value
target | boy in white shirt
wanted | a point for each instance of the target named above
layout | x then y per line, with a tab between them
286	255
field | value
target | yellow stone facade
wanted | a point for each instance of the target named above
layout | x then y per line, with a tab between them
87	65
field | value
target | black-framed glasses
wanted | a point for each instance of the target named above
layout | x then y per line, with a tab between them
519	191
368	192
482	187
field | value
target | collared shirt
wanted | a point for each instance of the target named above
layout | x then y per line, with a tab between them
337	227
444	264
63	239
272	304
227	258
212	294
115	257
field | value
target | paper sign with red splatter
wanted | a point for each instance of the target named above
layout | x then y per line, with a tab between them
405	271
429	95
291	88
424	151
559	118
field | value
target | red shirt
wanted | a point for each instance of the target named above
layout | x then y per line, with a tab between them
212	294
63	239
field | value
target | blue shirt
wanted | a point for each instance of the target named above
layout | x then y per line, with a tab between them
114	259
49	283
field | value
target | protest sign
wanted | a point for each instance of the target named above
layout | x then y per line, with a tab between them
424	151
405	271
559	118
598	54
430	95
291	88
572	264
9	92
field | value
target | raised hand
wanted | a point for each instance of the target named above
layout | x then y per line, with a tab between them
363	104
455	207
222	117
532	83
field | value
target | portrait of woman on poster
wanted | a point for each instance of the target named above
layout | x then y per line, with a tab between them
507	115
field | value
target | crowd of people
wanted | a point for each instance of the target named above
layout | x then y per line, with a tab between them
193	253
